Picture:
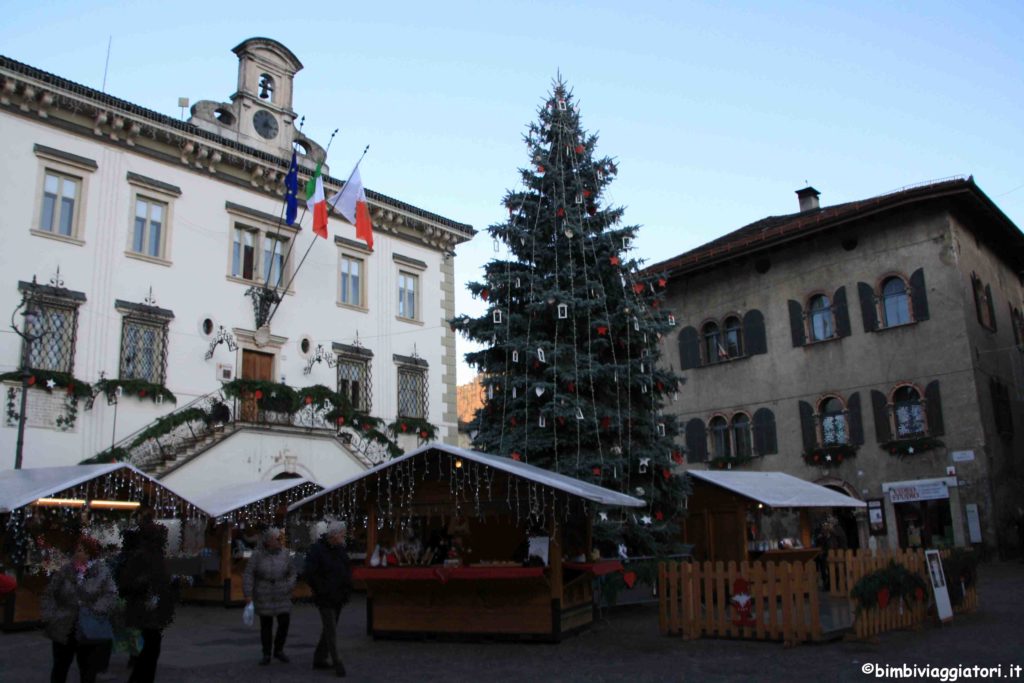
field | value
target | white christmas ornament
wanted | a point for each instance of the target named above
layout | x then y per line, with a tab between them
639	490
539	391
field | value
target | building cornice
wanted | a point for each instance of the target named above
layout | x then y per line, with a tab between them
55	101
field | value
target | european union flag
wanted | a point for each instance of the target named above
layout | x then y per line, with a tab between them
291	199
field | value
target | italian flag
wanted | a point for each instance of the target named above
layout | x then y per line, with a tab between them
350	202
316	202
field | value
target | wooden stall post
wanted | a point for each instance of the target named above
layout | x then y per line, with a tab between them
805	527
225	560
555	566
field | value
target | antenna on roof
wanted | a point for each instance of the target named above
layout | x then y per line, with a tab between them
183	103
106	66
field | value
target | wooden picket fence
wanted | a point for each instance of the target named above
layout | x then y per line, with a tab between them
847	567
696	599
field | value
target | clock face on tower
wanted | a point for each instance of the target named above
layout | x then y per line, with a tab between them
265	124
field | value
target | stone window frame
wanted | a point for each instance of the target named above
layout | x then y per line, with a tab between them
145	316
810	314
68	166
263	226
414	269
880	300
151	191
820	417
894	419
355	251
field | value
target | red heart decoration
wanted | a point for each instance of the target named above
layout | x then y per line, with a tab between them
484	293
31	381
677	457
602	330
659	515
341	420
666	473
579	149
596	471
638	288
516	456
560	213
629	578
404	427
424	434
309	400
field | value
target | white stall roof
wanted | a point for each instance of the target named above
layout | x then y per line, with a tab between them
18	488
575	487
777	489
220	502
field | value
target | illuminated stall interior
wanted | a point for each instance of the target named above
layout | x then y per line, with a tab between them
459	542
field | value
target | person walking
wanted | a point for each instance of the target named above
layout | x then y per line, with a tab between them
145	585
84	583
330	578
268	583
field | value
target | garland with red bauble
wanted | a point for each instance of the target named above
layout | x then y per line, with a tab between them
423	430
904	447
894	582
48	380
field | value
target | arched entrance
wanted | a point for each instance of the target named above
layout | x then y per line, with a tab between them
847	533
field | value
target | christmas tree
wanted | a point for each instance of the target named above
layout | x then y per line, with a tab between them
570	339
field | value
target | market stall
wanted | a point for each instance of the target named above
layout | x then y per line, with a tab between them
755	515
236	515
43	510
464	543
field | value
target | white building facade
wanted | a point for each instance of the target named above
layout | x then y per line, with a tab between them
144	235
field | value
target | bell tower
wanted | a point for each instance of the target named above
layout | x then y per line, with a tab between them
263	101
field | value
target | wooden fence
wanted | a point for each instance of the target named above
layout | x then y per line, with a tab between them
752	600
847	567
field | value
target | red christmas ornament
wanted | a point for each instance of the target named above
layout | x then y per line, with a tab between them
424	434
638	288
258	394
586	193
817	457
919	594
661	387
540	169
484	293
536	364
659	515
614	260
579	149
596	471
629	578
883	597
512	420
561	421
662	282
516	456
340	420
142	393
655	304
560	213
602	330
404	427
571	387
606	422
309	400
366	426
839	457
31	380
677	457
71	390
666	473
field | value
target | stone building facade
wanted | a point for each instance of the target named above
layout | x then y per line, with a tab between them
876	347
152	241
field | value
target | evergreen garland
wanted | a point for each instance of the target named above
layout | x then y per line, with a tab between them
904	447
832	455
139	388
570	357
891	583
73	387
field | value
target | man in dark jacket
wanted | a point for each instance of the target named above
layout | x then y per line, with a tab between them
145	584
329	576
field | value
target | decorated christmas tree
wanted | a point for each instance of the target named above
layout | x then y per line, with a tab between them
570	338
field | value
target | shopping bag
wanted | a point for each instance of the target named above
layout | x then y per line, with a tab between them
249	615
93	627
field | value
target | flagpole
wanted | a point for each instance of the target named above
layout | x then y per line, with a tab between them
291	243
310	248
284	208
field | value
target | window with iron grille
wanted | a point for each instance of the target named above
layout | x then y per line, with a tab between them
354	382
412	392
54	332
144	350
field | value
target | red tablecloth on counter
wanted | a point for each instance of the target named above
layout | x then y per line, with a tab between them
444	574
596	568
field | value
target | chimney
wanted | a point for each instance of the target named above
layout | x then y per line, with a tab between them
808	199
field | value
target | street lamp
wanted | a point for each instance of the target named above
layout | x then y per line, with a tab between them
29	333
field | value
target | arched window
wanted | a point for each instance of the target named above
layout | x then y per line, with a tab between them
266	87
833	421
713	350
908	412
720	446
733	337
741	435
895	302
822	325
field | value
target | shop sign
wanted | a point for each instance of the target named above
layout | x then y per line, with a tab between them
963	456
921	490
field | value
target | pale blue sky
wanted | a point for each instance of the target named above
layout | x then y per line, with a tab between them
717	112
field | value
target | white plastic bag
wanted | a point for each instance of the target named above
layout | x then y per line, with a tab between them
249	614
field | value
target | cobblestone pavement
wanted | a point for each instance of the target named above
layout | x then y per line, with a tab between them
211	644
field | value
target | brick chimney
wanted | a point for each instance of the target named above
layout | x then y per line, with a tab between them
808	199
